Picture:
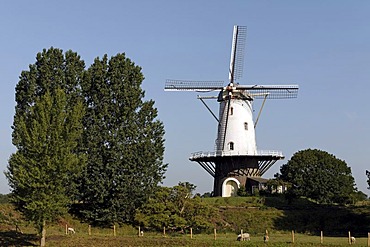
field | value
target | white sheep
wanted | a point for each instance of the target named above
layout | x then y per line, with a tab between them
243	237
71	230
353	240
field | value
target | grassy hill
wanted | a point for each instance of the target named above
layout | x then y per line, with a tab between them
252	214
255	215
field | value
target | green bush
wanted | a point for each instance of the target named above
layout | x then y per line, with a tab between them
4	198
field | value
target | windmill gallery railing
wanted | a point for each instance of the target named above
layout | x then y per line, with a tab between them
201	154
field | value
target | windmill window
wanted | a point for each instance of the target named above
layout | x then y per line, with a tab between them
231	146
231	111
246	126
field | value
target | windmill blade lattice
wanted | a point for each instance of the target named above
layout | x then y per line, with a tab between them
237	53
270	91
199	86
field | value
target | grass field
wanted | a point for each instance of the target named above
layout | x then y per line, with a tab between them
252	214
103	238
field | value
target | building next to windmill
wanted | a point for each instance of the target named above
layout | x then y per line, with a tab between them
236	160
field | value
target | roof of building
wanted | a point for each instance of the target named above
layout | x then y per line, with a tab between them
259	179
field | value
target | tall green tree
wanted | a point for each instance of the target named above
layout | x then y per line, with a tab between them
318	175
124	139
38	171
52	70
368	178
47	128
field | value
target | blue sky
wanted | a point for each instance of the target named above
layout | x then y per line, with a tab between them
324	46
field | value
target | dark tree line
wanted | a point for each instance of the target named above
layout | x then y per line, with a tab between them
83	136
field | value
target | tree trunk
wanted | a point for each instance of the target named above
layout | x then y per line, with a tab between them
43	234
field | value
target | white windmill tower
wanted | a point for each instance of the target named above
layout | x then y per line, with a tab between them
235	159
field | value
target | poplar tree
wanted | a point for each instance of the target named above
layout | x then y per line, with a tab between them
47	128
124	141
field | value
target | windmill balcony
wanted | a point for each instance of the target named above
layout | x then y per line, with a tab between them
234	153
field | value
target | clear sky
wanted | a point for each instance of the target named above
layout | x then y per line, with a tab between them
324	46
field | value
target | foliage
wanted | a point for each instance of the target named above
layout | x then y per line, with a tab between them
175	209
46	129
4	198
274	184
242	191
84	136
38	171
368	178
358	196
124	142
318	175
206	195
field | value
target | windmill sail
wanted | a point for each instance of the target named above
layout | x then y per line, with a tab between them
237	53
270	91
183	85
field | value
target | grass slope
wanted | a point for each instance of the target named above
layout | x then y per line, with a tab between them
252	214
255	215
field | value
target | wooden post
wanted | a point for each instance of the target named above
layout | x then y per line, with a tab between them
368	239
43	234
164	231
215	233
349	237
139	234
89	230
321	237
114	230
293	236
266	237
17	229
191	233
66	229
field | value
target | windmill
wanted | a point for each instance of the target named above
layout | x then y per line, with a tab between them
235	160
